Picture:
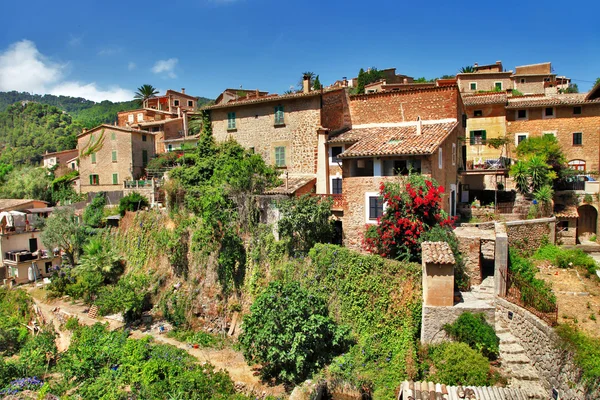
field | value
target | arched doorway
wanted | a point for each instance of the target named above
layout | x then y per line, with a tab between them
586	223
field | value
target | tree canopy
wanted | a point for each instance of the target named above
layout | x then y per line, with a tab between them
144	93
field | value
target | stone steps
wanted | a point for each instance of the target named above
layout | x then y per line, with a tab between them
511	348
506	338
515	358
534	390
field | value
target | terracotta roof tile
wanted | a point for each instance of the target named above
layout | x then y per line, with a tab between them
567	212
427	390
437	253
394	140
271	97
293	184
543	101
10	203
484	98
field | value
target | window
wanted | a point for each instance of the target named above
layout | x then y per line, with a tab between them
577	110
478	113
279	120
94	179
93	158
477	137
521	114
453	153
577	139
155	129
176	103
464	120
114	156
440	158
280	156
375	207
336	186
231	120
115	179
548	112
144	138
395	167
144	157
130	118
519	137
335	152
113	136
523	80
473	85
48	267
549	133
140	117
190	103
170	148
498	85
578	165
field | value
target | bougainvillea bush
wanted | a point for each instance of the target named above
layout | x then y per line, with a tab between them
412	207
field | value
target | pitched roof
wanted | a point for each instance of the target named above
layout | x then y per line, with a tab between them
437	253
114	128
58	152
273	97
10	203
394	139
484	98
566	212
555	100
293	184
430	390
594	93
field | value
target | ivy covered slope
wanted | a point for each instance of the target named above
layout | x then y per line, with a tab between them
379	299
28	131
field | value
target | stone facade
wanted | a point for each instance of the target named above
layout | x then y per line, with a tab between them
255	128
492	119
543	347
144	115
563	126
484	81
97	170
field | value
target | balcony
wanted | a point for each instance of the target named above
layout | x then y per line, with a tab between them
141	183
339	201
19	256
486	166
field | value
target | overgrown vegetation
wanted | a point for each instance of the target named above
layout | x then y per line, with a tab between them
475	331
290	333
567	258
586	350
535	292
132	202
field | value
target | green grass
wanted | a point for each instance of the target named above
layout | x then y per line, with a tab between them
566	258
586	350
202	339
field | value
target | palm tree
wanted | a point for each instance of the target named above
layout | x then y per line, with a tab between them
467	70
311	76
144	93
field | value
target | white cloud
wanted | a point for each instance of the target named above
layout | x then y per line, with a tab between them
166	67
131	66
25	69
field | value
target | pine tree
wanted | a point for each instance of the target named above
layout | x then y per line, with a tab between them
360	86
317	84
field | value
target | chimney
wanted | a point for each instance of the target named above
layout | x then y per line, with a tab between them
183	90
419	126
405	80
498	62
475	65
257	93
306	84
185	123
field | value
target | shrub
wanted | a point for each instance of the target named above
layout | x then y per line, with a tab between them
132	202
38	354
535	292
129	296
576	258
15	314
290	333
586	350
474	330
93	215
457	364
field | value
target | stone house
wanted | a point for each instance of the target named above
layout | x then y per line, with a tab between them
288	131
110	155
573	118
23	257
172	101
392	133
63	160
486	78
538	79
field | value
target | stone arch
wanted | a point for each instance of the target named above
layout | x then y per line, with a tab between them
587	221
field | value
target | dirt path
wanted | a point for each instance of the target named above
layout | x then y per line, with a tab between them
57	310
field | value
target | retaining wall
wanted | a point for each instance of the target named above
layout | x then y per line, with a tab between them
529	234
554	364
434	318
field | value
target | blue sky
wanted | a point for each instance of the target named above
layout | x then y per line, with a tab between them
107	49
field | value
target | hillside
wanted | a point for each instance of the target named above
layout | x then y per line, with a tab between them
28	131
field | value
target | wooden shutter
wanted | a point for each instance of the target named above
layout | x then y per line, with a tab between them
91	180
483	135
472	137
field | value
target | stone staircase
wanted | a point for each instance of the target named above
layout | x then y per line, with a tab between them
485	290
517	366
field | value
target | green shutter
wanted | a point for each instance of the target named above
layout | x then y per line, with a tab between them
113	136
114	155
144	157
115	179
472	137
483	136
91	180
93	158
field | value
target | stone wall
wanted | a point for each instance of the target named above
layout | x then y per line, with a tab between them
470	248
542	345
429	104
485	81
434	318
528	235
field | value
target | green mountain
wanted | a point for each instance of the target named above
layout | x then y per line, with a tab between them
28	130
